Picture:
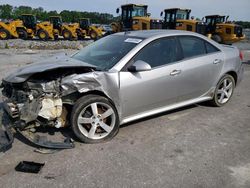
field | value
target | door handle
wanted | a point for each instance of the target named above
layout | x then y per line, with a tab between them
175	72
217	61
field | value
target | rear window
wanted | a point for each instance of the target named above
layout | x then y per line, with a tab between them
192	46
210	48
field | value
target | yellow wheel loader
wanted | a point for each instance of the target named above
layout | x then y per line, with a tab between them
85	28
27	28
223	31
179	19
135	17
8	30
68	31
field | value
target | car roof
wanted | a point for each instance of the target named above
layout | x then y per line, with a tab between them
154	33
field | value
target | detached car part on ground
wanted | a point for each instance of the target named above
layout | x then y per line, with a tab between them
118	79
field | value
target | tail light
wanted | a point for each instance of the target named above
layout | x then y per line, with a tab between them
241	56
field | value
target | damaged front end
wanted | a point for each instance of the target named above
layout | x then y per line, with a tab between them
37	102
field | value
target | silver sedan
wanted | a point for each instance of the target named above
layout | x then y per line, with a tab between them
122	78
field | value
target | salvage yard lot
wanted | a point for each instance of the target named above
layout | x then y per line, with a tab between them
196	146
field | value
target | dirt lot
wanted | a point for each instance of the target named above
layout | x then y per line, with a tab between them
197	146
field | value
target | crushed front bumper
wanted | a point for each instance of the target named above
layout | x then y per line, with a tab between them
13	124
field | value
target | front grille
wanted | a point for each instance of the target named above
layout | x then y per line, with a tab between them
238	31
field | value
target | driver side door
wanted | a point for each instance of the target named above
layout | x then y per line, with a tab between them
143	91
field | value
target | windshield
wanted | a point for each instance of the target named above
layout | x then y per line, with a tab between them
108	51
214	20
181	15
129	12
138	11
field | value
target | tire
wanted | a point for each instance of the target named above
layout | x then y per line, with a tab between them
43	35
223	91
93	35
96	126
22	33
67	34
56	37
217	38
4	34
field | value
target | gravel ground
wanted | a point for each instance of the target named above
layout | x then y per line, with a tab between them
42	45
194	147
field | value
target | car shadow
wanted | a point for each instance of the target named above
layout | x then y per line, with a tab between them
165	113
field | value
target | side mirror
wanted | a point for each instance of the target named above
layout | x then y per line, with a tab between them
161	13
139	66
148	14
117	11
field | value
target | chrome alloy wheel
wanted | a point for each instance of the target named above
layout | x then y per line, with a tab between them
225	91
97	120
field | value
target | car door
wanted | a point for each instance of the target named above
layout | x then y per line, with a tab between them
147	90
200	68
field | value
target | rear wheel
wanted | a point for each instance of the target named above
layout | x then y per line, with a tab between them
223	91
43	35
67	34
22	33
56	37
94	119
217	38
4	34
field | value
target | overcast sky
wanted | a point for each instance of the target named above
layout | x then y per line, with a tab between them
237	9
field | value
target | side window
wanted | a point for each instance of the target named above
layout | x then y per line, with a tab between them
192	46
160	52
210	48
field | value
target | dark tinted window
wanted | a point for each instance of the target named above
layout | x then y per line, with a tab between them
192	46
210	48
160	52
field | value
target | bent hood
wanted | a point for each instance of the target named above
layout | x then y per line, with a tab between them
57	62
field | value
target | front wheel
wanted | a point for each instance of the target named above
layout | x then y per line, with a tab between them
93	35
217	38
223	91
67	35
4	34
94	119
43	35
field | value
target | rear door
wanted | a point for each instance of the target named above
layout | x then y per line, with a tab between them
200	68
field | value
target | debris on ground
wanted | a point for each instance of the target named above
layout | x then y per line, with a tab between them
29	167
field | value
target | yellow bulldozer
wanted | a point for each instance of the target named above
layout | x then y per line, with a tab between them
85	28
8	30
179	19
135	17
27	27
223	31
68	31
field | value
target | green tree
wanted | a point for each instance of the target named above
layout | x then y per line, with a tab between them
6	11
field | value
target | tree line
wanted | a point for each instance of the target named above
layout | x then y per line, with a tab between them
8	12
11	12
